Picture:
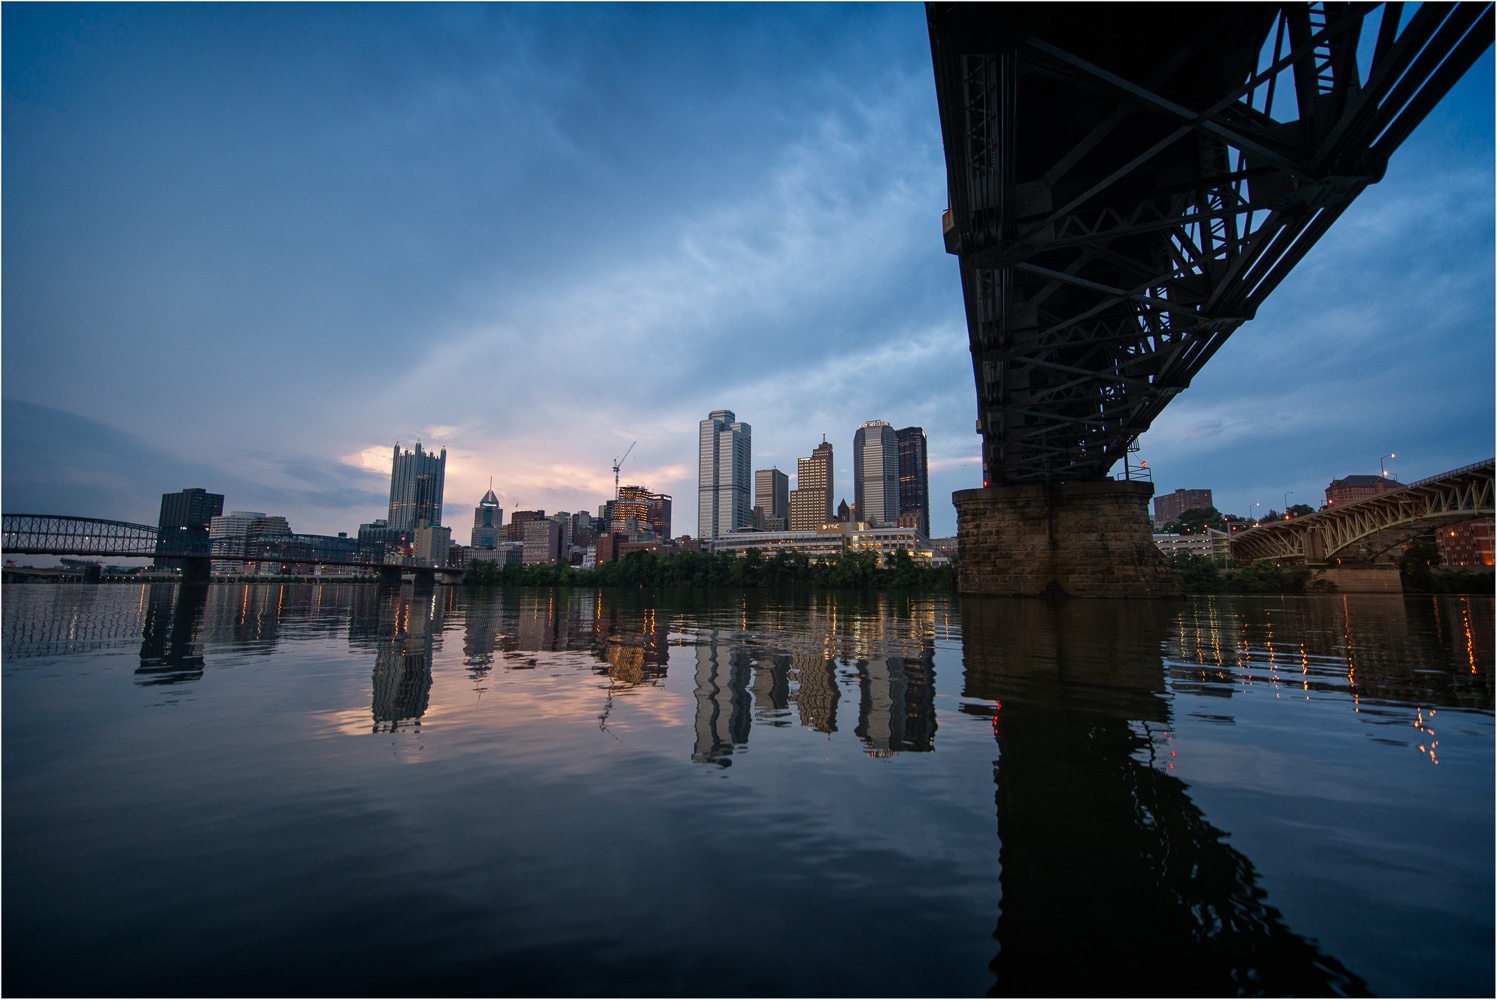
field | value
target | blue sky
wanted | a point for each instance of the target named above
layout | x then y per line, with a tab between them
251	247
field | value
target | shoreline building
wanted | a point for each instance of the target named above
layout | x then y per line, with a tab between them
488	521
660	514
914	477
811	500
875	459
1354	488
1169	507
416	481
724	474
185	520
772	498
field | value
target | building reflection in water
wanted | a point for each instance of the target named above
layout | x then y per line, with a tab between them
1113	881
169	647
722	716
402	659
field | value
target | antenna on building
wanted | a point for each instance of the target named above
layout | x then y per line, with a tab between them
618	462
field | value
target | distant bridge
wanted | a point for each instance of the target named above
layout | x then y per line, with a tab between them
1374	525
51	534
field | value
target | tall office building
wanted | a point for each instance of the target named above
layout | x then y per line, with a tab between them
875	473
772	493
184	523
416	480
811	500
914	476
660	514
724	475
488	519
631	511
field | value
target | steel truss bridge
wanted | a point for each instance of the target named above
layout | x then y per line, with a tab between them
1129	182
1374	525
48	534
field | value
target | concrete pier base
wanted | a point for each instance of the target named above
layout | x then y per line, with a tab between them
389	576
1078	539
1366	578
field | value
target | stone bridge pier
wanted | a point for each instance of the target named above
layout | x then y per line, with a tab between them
1090	539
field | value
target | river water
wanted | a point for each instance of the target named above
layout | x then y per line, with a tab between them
268	789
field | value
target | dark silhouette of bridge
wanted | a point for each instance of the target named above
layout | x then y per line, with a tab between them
1128	183
51	534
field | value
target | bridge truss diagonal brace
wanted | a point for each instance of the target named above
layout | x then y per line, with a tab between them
1120	209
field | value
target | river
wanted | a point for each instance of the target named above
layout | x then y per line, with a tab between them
271	789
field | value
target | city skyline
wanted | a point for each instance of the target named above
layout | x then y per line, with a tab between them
239	257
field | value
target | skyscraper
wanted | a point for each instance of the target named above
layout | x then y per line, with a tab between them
914	477
632	505
416	480
875	473
184	523
772	493
488	517
660	514
811	500
724	474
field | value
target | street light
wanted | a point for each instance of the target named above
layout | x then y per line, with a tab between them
1286	503
1381	468
1256	518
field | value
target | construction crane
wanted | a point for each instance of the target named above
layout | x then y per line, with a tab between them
618	462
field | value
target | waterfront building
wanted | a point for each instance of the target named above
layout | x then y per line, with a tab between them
1467	545
828	541
724	474
416	482
542	541
226	540
516	529
914	477
488	521
377	541
811	500
185	520
875	459
631	511
1354	488
432	544
772	493
1212	544
660	514
1170	506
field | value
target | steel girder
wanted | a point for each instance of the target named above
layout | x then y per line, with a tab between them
46	534
1376	524
1129	182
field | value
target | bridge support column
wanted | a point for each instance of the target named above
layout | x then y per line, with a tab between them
1079	539
196	572
92	574
1364	578
389	576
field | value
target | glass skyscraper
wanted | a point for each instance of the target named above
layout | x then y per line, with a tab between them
875	459
416	481
725	477
914	476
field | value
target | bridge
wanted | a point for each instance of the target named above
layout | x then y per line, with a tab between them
1367	528
51	534
1127	184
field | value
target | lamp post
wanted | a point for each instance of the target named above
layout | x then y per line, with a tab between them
1382	470
1256	519
1286	504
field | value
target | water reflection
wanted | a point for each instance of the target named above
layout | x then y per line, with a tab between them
169	652
1113	881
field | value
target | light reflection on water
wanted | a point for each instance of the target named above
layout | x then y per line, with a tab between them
629	792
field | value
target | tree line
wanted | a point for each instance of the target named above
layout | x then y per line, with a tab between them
849	571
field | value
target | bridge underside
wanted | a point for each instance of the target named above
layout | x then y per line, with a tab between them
1128	183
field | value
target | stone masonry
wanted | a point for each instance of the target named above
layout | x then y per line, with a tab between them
1103	542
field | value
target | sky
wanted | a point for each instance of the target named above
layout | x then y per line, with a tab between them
251	247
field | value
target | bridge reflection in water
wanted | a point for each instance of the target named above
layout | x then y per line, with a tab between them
1114	883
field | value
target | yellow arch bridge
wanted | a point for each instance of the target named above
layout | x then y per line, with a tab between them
1368	528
